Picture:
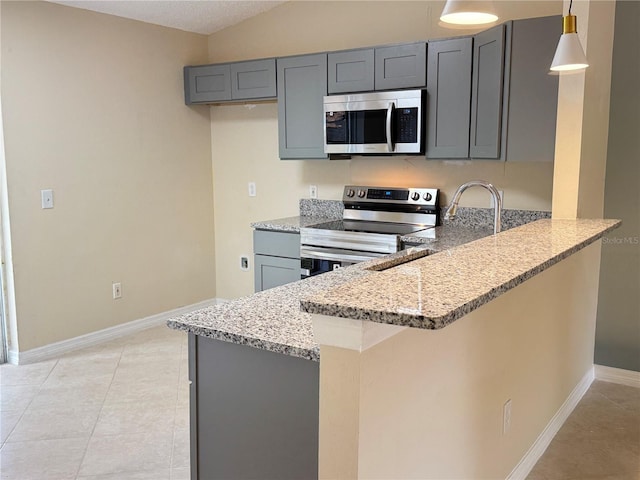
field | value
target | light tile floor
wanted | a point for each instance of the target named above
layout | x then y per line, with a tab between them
116	411
600	439
120	411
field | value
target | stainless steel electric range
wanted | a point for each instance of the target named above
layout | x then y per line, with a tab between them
374	220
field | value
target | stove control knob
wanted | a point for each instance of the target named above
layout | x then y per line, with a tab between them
351	192
427	196
415	196
361	193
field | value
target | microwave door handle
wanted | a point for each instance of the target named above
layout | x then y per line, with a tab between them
389	117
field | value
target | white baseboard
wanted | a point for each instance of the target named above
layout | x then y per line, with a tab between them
529	460
94	338
617	375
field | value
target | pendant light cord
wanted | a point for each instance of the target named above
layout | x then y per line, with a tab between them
570	3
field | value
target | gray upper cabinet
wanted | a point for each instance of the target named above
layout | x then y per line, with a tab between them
449	98
533	93
255	79
207	83
230	81
350	71
382	68
401	66
487	93
302	82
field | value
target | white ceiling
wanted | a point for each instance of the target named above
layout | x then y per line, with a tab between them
199	16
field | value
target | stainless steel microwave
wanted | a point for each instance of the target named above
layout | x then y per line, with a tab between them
375	123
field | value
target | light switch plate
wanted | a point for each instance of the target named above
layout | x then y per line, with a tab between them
46	197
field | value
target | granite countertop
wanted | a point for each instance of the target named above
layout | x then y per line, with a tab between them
471	274
290	224
436	290
272	319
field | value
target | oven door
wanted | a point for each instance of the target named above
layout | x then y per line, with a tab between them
317	260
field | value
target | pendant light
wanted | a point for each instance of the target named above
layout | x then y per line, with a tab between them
468	12
569	54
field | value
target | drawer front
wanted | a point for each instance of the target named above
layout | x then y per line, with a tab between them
277	244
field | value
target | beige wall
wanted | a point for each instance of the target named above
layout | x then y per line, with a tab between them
93	108
429	404
244	139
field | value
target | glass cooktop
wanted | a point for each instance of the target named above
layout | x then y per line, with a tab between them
370	227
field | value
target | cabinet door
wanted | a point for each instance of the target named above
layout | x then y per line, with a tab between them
207	83
272	272
533	93
449	98
487	93
350	71
302	84
401	66
255	79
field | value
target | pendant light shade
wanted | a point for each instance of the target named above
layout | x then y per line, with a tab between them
466	12
569	54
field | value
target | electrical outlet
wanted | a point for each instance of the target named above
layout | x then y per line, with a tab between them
506	417
313	191
46	198
117	290
244	262
252	189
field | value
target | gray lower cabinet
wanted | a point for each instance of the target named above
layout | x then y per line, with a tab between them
449	98
230	81
487	93
401	66
276	258
272	272
253	413
302	84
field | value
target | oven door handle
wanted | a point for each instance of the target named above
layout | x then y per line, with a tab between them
390	108
336	257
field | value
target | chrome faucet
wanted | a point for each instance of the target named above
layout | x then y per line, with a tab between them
450	214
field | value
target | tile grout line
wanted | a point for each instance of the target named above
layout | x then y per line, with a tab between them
86	448
6	440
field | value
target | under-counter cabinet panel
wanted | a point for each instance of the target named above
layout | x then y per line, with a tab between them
230	81
207	83
350	71
401	66
302	84
449	100
272	272
276	259
254	413
487	93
